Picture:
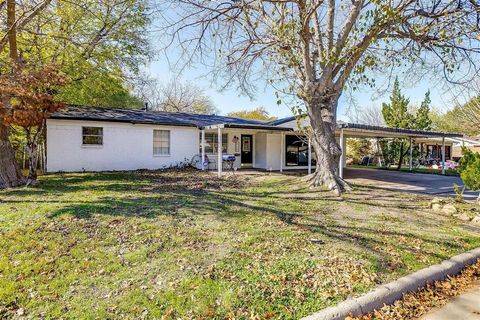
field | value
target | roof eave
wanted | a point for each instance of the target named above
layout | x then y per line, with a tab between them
246	126
409	132
160	123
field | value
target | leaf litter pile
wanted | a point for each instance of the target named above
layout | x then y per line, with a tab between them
415	304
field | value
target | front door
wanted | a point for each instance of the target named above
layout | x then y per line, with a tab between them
247	150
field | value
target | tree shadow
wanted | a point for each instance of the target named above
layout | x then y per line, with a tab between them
185	195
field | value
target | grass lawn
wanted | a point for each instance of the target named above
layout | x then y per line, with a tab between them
448	172
188	245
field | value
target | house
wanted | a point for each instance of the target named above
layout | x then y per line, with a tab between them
101	139
470	143
432	147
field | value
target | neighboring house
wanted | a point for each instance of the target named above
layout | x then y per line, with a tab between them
431	147
100	139
471	143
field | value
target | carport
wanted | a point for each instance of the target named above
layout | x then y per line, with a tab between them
355	130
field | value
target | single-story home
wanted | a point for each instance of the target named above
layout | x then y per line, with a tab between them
472	143
102	139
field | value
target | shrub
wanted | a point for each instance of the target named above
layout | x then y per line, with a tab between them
469	169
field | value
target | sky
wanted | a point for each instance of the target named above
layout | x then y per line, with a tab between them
233	100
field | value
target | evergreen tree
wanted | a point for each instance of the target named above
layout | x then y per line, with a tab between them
422	120
396	113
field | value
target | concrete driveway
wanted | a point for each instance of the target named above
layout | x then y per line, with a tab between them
419	183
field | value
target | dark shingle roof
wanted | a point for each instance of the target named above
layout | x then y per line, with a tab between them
156	117
411	132
280	121
203	120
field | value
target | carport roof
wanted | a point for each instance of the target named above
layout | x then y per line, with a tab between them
364	130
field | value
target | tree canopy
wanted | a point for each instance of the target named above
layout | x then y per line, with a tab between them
259	113
315	48
175	96
464	118
422	118
396	113
95	43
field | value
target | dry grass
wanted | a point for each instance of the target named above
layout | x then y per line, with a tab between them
184	244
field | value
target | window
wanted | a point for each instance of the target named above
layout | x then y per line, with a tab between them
211	142
296	151
92	136
161	142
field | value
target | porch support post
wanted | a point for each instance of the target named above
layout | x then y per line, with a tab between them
443	155
411	154
342	156
309	155
219	152
282	139
203	148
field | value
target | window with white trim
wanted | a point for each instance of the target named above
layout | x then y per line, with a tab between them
161	142
92	136
211	142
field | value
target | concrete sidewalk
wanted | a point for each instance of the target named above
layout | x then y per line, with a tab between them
464	307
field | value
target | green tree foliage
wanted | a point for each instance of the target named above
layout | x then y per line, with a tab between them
95	43
357	148
469	169
397	115
259	113
102	90
422	119
464	118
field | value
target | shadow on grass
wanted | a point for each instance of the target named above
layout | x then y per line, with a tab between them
192	195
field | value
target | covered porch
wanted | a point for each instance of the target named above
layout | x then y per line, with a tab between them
267	148
285	147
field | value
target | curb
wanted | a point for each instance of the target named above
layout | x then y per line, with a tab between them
390	292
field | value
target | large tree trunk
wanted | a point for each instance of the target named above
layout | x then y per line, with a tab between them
322	114
10	174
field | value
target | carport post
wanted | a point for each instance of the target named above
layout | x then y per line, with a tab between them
443	155
309	156
342	156
203	148
219	152
282	139
411	154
